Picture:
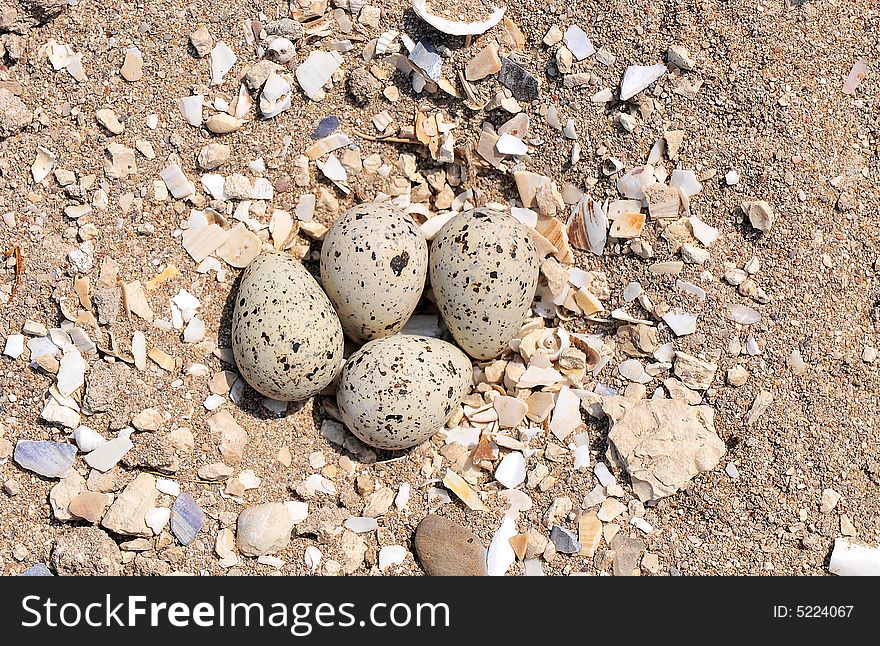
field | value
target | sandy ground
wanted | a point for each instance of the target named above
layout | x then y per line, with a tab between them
770	106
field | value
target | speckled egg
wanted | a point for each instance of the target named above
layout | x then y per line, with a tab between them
286	338
373	265
484	272
398	391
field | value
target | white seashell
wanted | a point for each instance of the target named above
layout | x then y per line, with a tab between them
535	376
432	226
511	472
511	411
680	322
139	350
566	414
298	511
275	98
611	166
852	559
457	28
281	50
631	184
510	145
313	558
213	184
43	164
317	69
402	497
195	331
191	109
391	555
59	54
638	77
222	60
685	286
361	525
333	169
355	6
77	211
686	181
578	43
742	314
168	486
501	555
87	439
178	185
602	96
156	518
385	40
71	371
595	221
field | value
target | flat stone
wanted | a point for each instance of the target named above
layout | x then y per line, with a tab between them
564	540
830	498
326	127
519	81
49	459
149	419
37	569
589	533
64	492
233	437
693	372
89	505
187	518
662	443
627	552
107	118
108	455
127	514
445	548
263	529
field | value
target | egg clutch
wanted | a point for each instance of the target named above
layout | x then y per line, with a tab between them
397	390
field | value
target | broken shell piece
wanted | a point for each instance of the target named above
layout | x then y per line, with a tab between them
383	44
281	50
680	322
43	164
703	232
457	485
611	165
631	184
760	215
275	97
578	43
485	63
457	28
856	75
327	145
191	109
686	180
178	185
240	248
222	60
317	69
638	77
628	225
510	145
742	314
